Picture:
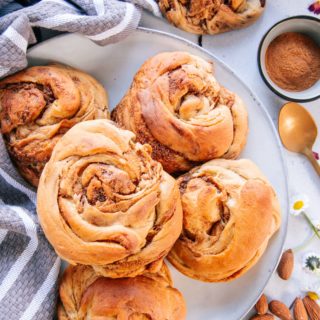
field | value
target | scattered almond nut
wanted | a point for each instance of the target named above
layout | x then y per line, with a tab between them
266	316
299	311
280	310
312	307
286	265
262	305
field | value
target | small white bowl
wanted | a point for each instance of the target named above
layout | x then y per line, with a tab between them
303	24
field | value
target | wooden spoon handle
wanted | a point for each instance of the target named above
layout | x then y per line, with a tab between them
308	153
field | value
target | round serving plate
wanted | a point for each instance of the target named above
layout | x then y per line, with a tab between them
114	66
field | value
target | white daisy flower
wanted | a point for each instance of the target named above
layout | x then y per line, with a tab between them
312	290
298	204
311	263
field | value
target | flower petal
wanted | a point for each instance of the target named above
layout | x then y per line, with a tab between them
316	155
316	223
298	203
311	287
315	7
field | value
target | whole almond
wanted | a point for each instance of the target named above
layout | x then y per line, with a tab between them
266	316
280	310
286	265
312	307
262	305
299	311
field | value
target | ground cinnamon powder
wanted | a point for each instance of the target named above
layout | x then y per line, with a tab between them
293	61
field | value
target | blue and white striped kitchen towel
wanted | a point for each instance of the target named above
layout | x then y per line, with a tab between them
29	266
102	21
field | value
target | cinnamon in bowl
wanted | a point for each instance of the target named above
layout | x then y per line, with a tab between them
292	61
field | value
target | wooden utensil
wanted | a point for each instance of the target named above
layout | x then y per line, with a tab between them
298	131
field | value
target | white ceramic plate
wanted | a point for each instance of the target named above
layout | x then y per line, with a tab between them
115	65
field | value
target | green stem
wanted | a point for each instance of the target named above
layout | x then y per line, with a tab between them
304	243
313	227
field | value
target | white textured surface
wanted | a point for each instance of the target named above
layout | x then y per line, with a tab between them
238	49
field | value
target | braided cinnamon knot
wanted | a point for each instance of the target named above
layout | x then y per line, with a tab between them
176	105
103	201
151	296
211	16
230	212
38	105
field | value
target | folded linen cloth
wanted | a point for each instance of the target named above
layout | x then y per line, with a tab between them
103	21
29	267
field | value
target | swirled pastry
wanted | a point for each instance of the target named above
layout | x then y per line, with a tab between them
211	16
86	295
176	105
230	211
38	105
103	201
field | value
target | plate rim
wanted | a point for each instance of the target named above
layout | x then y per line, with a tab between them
284	213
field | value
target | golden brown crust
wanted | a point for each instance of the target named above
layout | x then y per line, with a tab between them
38	105
230	211
211	16
176	105
103	201
86	295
